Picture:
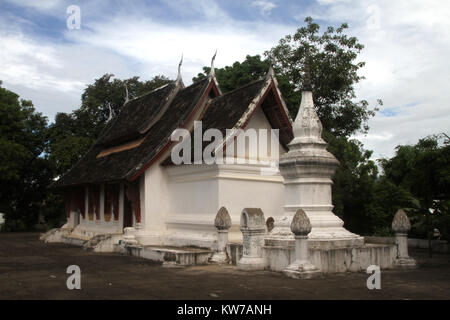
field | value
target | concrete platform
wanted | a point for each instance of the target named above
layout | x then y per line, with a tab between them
169	255
336	260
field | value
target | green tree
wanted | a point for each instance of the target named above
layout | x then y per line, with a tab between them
24	170
354	183
238	74
251	69
384	201
71	135
334	74
106	92
423	170
366	202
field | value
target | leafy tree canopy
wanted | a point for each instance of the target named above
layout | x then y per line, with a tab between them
238	74
334	74
71	135
24	173
423	170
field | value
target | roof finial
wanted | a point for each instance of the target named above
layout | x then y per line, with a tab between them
127	98
271	71
179	70
212	72
111	112
307	80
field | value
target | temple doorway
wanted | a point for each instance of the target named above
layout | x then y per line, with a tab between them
127	213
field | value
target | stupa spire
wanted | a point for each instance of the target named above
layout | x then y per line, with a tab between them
307	169
307	72
307	126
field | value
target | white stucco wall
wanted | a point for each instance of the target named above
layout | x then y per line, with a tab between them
181	202
259	121
253	187
155	205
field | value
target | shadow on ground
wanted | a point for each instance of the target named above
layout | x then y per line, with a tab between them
31	269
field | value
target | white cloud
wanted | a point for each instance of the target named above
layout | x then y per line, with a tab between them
128	43
265	7
42	5
52	76
406	50
158	47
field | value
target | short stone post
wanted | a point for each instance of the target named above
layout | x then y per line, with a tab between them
301	268
222	223
129	235
253	229
401	227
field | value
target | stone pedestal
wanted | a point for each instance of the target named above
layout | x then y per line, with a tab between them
129	235
301	268
222	222
401	226
253	229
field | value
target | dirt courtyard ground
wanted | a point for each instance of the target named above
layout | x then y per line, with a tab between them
31	269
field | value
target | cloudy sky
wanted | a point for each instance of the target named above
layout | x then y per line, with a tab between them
407	50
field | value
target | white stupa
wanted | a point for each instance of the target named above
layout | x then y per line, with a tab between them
307	170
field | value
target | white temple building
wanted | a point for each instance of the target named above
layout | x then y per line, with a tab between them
127	178
130	193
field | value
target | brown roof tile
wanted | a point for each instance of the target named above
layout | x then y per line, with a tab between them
125	164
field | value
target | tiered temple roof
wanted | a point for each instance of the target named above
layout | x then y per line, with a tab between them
140	134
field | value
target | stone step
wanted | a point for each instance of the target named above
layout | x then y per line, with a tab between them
103	242
75	239
169	255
